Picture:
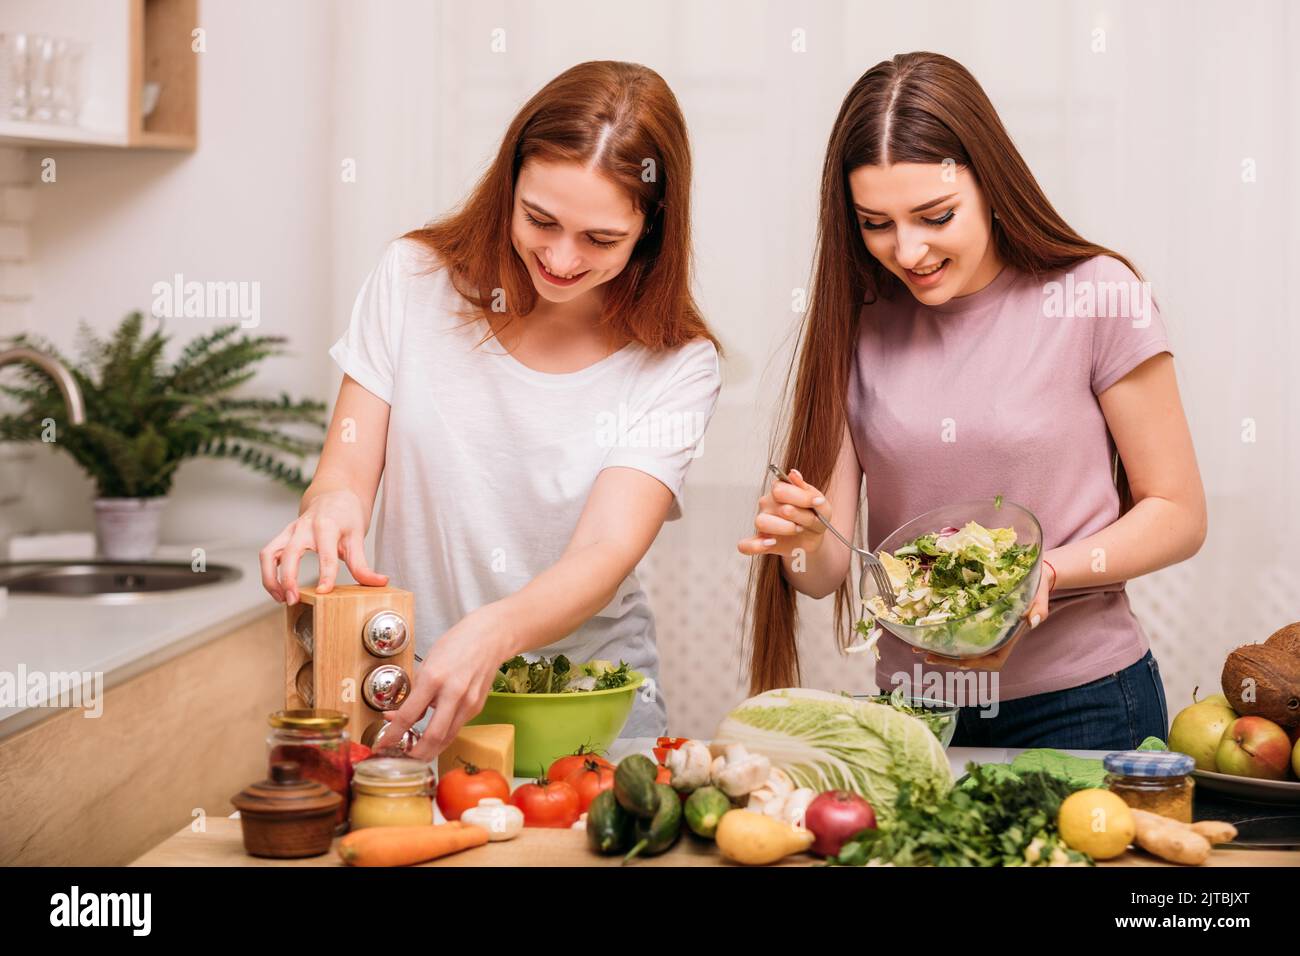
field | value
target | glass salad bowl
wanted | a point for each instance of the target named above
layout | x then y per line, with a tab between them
985	630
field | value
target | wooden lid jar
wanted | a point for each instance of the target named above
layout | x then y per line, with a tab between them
287	816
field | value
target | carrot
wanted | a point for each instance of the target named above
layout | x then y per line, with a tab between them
403	846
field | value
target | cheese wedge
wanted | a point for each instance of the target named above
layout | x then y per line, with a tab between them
486	746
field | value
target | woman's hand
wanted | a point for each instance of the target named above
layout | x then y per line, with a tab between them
454	679
785	521
1034	615
334	526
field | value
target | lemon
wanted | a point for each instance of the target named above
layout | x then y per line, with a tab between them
1096	822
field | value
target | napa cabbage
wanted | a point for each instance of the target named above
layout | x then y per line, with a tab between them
828	742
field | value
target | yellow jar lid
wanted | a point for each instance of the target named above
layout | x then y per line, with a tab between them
308	720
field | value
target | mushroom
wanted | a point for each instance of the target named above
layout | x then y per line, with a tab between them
779	799
691	765
738	772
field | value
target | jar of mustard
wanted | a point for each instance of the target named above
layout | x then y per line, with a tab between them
1153	780
392	792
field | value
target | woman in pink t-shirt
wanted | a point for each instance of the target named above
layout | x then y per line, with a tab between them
962	342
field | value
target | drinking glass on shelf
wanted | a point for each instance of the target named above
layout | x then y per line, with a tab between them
40	65
69	61
15	90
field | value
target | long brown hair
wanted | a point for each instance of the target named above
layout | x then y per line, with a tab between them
915	108
623	119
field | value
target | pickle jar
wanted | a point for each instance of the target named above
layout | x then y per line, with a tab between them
1153	780
392	792
316	740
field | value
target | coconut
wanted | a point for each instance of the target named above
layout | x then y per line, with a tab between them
1286	639
1274	677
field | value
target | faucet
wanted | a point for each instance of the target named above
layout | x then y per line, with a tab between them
56	370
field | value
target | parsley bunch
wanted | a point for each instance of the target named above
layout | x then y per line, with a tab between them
988	820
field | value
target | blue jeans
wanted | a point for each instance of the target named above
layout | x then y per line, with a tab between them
1116	712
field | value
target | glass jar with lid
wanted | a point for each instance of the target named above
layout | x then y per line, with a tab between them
316	740
1153	780
391	792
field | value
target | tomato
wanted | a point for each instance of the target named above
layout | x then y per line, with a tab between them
665	744
547	803
357	752
564	767
664	775
464	787
589	780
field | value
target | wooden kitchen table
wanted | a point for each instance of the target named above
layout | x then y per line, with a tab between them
222	845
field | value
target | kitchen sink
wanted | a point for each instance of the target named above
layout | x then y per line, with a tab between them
118	580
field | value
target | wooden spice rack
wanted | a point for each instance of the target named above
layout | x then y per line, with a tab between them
332	675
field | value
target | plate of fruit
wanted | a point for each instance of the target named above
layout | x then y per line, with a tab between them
1246	740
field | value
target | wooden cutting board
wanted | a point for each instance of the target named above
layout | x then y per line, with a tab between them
222	845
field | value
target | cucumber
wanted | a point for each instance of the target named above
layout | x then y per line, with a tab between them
634	785
609	828
704	808
661	831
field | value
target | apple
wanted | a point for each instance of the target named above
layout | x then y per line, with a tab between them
1254	747
1197	730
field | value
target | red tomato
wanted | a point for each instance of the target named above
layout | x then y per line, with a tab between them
564	767
547	803
589	780
464	787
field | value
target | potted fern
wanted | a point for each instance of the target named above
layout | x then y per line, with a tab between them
144	417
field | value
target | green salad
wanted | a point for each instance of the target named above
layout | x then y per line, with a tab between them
557	676
947	578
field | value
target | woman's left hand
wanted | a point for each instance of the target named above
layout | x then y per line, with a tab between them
454	679
1034	615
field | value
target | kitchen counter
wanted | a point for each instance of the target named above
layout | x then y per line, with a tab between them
221	843
44	634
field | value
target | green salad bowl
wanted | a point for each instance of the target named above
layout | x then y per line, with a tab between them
549	726
986	630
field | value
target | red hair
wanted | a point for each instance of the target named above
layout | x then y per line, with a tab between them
623	120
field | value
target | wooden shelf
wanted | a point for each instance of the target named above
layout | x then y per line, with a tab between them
161	37
132	43
27	133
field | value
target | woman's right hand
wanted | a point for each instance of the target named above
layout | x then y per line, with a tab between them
785	521
334	526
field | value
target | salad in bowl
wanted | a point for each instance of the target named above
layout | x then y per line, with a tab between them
962	576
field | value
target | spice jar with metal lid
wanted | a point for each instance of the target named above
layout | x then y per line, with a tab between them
317	740
391	792
287	816
1153	780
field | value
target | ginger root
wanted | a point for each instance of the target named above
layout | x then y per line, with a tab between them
1216	831
1180	842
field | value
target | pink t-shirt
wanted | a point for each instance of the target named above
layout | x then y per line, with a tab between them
996	393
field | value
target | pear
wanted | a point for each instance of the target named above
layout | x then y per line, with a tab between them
1197	729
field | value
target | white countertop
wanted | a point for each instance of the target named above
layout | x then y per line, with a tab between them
51	634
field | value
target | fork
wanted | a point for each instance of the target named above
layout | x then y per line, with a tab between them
869	560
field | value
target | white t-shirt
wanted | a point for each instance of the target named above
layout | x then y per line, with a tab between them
489	463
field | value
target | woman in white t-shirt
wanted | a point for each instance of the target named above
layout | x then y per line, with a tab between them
531	377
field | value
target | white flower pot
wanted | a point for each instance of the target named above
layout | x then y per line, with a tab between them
127	528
